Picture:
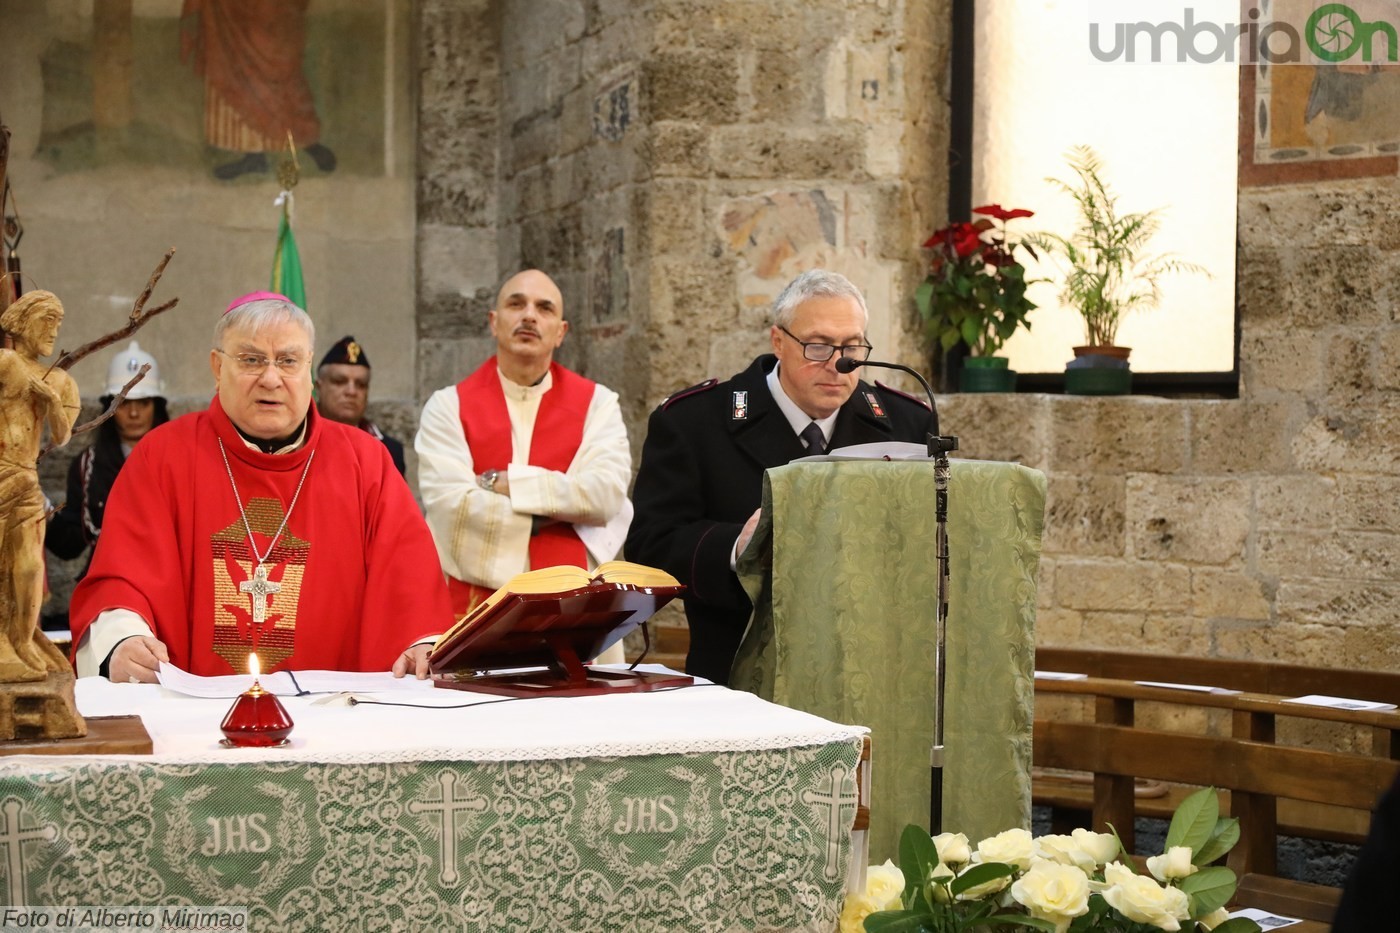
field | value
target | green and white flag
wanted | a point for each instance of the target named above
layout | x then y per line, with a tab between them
286	261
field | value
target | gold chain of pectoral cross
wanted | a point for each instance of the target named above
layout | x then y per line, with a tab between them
259	588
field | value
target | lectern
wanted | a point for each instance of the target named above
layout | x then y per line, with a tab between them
843	579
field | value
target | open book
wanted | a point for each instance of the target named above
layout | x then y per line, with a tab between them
561	579
555	619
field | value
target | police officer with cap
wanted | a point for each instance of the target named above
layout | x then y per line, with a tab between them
342	392
90	476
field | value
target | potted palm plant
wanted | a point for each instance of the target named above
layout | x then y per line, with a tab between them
1108	274
975	294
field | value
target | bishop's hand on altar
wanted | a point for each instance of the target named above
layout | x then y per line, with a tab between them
258	525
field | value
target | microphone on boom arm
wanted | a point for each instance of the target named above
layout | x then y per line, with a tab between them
937	443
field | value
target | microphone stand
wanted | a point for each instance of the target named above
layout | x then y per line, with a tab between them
938	448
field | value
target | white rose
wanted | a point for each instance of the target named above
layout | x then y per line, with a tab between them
1115	872
1101	847
1143	900
941	875
884	884
1053	892
854	912
1213	919
1065	850
952	848
1014	847
1174	863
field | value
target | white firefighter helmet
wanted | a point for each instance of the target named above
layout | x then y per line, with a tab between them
125	365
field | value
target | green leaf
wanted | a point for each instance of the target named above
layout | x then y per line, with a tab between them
1209	888
896	921
918	857
970	332
1222	839
1194	820
981	874
923	298
1238	925
1125	861
1014	920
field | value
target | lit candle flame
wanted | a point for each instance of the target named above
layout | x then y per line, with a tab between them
253	667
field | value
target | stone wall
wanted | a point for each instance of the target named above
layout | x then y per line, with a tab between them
786	136
1265	527
673	163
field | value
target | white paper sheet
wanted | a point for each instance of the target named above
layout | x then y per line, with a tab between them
1197	688
284	683
1317	699
1265	919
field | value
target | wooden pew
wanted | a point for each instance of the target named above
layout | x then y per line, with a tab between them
1284	680
1258	772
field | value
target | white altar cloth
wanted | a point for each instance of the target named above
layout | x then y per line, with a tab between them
702	718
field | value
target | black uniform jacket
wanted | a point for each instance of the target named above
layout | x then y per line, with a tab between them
701	477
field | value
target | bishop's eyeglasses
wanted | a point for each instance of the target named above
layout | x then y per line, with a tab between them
821	352
255	364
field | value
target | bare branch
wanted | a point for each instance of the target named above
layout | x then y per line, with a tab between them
111	409
135	320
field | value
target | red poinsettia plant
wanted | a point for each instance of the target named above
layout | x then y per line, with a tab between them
975	292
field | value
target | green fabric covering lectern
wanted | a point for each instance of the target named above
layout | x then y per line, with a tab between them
843	627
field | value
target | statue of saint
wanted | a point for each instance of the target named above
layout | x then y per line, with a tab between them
31	396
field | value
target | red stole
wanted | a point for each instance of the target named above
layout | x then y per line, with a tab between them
555	442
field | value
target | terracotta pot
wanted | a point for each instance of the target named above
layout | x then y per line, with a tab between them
1118	353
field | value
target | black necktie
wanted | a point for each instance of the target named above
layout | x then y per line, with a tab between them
814	439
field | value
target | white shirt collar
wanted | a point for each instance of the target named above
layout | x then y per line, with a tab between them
795	416
522	393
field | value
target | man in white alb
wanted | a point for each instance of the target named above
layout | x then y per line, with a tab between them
523	464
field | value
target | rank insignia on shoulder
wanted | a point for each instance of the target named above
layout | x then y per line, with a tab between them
921	402
684	393
741	405
873	401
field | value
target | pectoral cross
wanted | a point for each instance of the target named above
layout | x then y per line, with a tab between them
258	590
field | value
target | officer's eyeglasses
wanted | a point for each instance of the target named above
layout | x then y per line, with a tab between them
821	352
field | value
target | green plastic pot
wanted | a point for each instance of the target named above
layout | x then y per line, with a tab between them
986	374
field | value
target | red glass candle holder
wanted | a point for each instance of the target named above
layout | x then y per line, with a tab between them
257	719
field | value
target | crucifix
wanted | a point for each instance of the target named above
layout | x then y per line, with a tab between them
258	590
829	796
448	808
13	836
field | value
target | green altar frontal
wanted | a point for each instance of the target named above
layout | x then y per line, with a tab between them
703	841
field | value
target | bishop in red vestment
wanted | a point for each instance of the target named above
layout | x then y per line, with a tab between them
257	525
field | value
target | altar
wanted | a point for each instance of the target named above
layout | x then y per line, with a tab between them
697	808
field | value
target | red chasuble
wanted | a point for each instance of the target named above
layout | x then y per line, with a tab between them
356	576
557	435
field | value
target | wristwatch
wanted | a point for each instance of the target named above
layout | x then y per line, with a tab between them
487	480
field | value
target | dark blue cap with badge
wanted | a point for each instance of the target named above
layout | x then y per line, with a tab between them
347	351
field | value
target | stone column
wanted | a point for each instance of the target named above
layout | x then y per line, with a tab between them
458	124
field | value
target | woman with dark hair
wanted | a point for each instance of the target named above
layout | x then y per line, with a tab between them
92	472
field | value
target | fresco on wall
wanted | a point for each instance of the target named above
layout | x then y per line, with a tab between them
217	86
1322	100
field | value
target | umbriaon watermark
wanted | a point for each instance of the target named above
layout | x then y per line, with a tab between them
1334	33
